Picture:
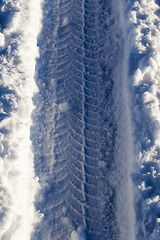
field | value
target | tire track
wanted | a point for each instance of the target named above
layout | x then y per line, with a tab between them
74	150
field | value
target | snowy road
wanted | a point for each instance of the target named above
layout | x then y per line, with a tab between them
79	120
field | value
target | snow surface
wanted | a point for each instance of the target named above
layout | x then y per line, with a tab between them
78	235
80	120
142	57
19	26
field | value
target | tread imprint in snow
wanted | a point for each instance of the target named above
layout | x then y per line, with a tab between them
76	193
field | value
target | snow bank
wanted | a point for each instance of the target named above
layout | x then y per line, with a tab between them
19	26
142	58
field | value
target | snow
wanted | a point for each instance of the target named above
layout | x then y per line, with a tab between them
142	82
115	148
18	185
12	22
63	107
65	21
136	106
78	235
2	40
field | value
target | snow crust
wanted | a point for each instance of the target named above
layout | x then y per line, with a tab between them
19	26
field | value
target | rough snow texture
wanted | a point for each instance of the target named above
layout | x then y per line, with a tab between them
18	21
142	49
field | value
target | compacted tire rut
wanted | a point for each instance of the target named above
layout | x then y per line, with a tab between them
77	130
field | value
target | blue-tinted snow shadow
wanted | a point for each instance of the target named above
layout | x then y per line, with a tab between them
157	2
6	14
157	12
6	17
6	104
147	180
134	60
